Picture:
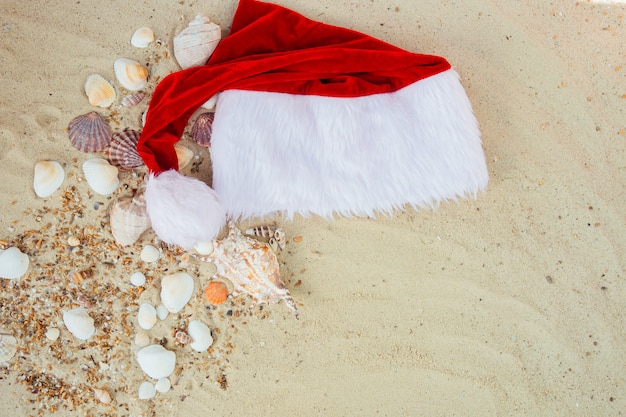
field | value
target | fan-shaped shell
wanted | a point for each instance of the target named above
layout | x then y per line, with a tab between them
131	74
142	37
202	129
216	292
132	99
184	155
129	219
122	152
101	176
89	132
13	263
49	176
194	45
99	91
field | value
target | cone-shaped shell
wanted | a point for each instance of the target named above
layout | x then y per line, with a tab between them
202	129
216	292
129	219
13	263
49	176
101	176
122	151
89	132
194	45
99	91
142	37
131	74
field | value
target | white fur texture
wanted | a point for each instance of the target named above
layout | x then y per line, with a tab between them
183	210
275	152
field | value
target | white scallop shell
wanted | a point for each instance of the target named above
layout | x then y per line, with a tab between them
184	155
100	92
176	291
142	37
149	254
194	45
131	74
156	361
79	323
101	176
13	263
49	175
147	316
8	347
200	334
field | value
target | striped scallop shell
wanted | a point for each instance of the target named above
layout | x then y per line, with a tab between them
89	132
132	99
202	129
122	152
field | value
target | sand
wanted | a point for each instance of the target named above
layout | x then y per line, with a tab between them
508	305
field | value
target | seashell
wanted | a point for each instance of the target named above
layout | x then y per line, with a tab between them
101	176
131	74
138	279
102	395
201	336
202	129
146	390
89	132
132	100
274	234
8	347
194	45
176	291
73	241
142	339
129	219
99	91
122	151
163	385
184	154
147	316
204	248
149	254
79	323
143	116
162	312
210	103
13	263
142	37
216	292
156	361
183	338
53	333
49	176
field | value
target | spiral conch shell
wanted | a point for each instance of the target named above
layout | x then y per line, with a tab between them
195	44
129	219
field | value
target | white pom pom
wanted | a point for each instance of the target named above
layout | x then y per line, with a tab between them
183	210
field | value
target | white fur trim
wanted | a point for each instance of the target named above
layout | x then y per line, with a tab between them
275	152
183	210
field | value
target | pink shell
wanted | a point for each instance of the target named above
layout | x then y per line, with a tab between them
183	338
89	132
122	151
132	99
202	129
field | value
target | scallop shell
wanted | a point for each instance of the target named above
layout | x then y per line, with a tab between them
176	291
13	263
202	129
216	292
194	45
8	347
89	132
184	154
131	74
99	91
122	151
101	176
132	99
142	37
49	176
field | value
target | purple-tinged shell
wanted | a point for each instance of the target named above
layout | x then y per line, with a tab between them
202	129
132	99
89	132
122	152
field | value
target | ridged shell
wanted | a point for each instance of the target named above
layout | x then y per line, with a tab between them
8	347
101	176
132	99
216	292
122	151
99	91
184	154
129	219
142	37
49	176
183	338
131	74
194	45
89	132
202	129
13	263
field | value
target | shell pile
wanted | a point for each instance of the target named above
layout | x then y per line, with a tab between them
251	266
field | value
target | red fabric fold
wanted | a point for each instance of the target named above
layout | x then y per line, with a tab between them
272	48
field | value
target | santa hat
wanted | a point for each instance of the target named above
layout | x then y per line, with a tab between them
310	119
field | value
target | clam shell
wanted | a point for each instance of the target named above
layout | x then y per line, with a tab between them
129	219
100	92
149	254
176	291
132	99
130	74
79	323
142	37
89	132
53	333
146	390
194	45
101	176
49	176
102	395
13	263
138	279
142	339
122	151
202	129
146	316
216	292
201	336
184	154
163	385
156	361
8	347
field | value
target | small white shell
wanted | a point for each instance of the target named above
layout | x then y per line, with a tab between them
194	45
49	176
163	385
53	333
142	37
131	74
79	323
8	347
13	263
142	339
162	312
99	91
146	390
147	316
102	395
101	176
200	334
184	154
156	361
176	291
204	248
138	279
149	254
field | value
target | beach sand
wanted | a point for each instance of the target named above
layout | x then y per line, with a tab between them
508	305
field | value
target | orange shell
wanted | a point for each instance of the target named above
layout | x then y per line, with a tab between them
216	292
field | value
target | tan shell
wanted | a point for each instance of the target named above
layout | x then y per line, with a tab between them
102	395
89	132
194	45
131	74
129	219
100	92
